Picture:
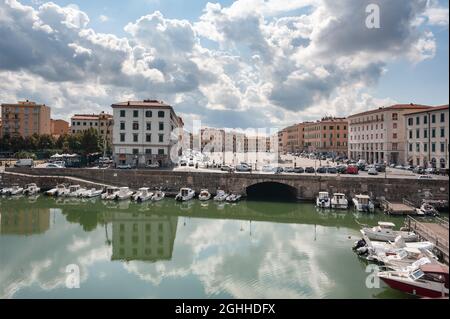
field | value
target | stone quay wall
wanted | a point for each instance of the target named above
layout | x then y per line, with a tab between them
305	186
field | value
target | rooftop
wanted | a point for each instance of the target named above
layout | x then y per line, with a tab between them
144	103
432	109
410	106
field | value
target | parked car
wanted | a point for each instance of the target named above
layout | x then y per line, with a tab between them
243	168
380	168
226	168
399	167
278	170
341	169
299	170
321	170
183	163
430	170
425	177
124	166
267	168
409	167
352	169
153	165
53	165
310	170
289	170
191	162
331	170
25	162
419	170
372	171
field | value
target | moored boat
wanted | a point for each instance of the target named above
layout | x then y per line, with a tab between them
363	203
323	200
233	198
75	191
204	195
111	193
90	193
427	280
61	190
143	194
31	189
339	201
158	195
220	196
185	194
16	190
385	232
124	193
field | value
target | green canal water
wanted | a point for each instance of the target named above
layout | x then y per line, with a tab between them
252	249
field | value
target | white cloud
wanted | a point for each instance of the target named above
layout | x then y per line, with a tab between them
103	18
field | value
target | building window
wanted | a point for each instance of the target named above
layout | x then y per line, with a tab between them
148	151
433	133
160	113
148	138
149	126
394	146
161	138
417	120
122	126
135	137
148	113
442	147
135	113
394	116
425	133
160	151
442	117
135	152
410	147
122	137
417	147
84	123
433	118
425	147
425	119
135	126
394	136
442	132
122	113
410	121
433	147
161	126
417	133
410	134
394	125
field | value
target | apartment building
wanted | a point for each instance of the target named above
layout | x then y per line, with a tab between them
427	137
102	123
329	135
379	135
294	138
144	133
25	118
212	140
59	127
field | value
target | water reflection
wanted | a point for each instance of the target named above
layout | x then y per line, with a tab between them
143	237
33	220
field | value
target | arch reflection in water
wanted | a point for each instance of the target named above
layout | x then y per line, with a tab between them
138	236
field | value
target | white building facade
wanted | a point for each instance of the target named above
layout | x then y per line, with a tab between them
427	138
144	133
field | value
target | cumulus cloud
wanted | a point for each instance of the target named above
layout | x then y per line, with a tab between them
266	61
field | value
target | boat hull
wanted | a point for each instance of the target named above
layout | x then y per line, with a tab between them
418	290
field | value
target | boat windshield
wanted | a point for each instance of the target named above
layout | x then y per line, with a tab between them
184	192
417	274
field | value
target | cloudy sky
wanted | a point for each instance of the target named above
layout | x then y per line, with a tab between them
235	64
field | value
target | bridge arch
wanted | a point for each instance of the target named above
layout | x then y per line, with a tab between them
269	190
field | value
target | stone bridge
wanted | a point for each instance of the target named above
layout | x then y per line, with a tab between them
302	186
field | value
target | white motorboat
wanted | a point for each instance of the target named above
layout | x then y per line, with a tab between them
233	198
365	246
158	195
426	280
204	195
363	203
401	258
61	190
323	200
185	194
339	201
124	193
91	193
111	193
385	232
143	194
16	190
6	191
52	192
427	210
220	196
75	191
31	189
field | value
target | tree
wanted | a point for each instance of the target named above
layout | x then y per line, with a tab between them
90	141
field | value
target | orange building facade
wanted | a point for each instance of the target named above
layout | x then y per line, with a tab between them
59	127
329	135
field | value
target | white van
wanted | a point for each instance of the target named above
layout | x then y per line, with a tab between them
25	162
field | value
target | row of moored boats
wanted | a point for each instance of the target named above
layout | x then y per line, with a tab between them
409	265
187	194
362	203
